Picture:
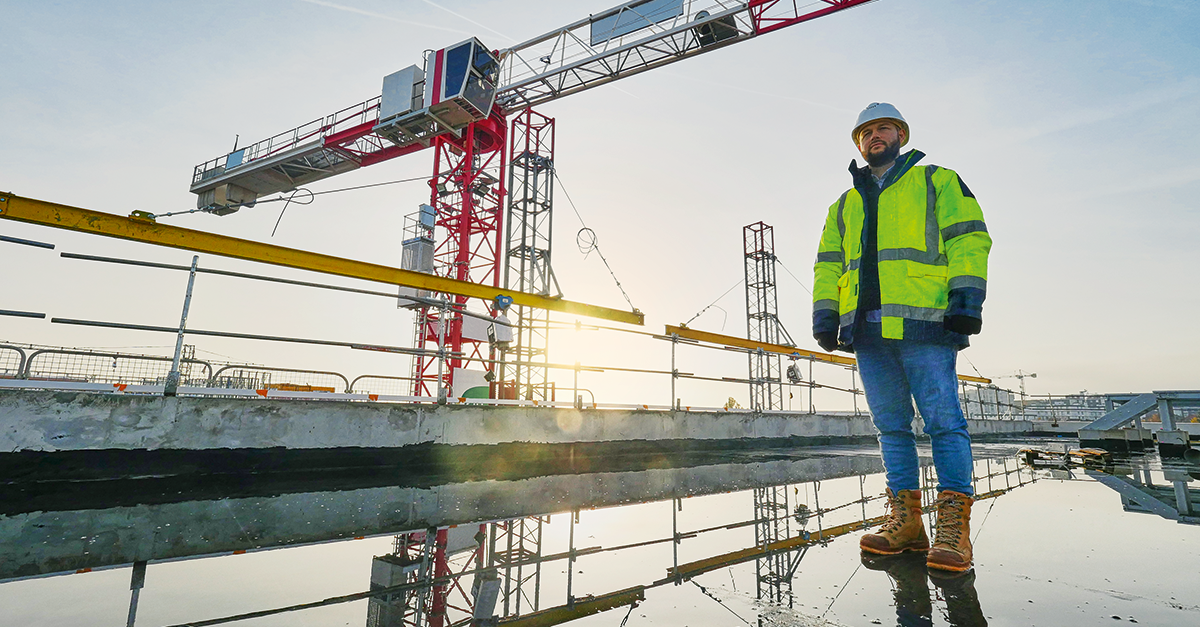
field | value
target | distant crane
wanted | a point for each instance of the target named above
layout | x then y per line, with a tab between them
1021	376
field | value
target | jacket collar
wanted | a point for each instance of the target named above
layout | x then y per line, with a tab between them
904	163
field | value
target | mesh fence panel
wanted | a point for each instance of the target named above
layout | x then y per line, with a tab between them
50	363
101	367
262	377
383	385
11	361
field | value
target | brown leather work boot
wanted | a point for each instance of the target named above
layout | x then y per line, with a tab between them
903	529
952	535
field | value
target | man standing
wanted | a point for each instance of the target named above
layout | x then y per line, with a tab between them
900	279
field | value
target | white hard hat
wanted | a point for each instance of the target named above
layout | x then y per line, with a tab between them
879	111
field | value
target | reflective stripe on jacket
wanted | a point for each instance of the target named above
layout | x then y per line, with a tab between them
932	252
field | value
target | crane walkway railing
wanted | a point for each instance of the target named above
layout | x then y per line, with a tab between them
206	175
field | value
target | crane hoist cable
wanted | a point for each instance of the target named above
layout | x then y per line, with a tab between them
290	199
785	269
154	216
586	239
719	601
714	304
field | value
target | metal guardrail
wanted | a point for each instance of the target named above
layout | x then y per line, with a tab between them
259	377
11	371
315	130
393	385
117	367
110	370
978	400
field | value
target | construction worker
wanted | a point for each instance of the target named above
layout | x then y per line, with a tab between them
900	279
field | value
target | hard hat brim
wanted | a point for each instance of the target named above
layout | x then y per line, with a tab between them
901	123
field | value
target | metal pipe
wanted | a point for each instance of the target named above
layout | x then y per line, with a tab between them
675	540
21	314
136	582
571	559
1183	501
812	408
172	384
442	392
854	387
1165	414
674	371
578	400
258	277
26	242
243	336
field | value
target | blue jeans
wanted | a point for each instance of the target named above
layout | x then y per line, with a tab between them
894	374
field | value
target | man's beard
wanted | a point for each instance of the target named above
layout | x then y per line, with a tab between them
888	155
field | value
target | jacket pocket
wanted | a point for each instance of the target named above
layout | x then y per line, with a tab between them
916	269
927	285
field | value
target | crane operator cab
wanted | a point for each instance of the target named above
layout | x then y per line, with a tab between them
457	87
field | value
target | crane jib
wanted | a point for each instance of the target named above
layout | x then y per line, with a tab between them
628	39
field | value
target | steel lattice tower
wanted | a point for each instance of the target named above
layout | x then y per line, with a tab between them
762	318
527	256
467	192
773	573
513	543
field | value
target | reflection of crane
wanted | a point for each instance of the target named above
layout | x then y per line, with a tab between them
459	103
772	524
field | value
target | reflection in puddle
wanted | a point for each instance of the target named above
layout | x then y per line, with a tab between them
767	540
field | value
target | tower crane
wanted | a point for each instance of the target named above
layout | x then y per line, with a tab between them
1020	375
459	103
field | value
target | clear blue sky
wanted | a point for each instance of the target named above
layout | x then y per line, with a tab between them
1073	127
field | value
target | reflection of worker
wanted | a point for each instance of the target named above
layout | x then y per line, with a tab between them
910	591
900	278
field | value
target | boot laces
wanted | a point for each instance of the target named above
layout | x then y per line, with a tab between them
949	521
897	516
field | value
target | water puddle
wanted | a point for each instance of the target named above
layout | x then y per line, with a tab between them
768	538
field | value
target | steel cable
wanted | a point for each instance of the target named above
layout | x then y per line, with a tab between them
587	241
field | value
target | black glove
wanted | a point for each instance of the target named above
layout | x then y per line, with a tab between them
966	325
828	340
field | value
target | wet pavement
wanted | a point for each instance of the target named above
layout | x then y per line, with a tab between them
753	538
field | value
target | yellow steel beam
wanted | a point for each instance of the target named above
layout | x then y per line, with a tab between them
50	214
698	567
729	340
582	607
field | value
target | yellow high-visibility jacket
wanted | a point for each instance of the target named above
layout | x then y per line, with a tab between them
932	256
